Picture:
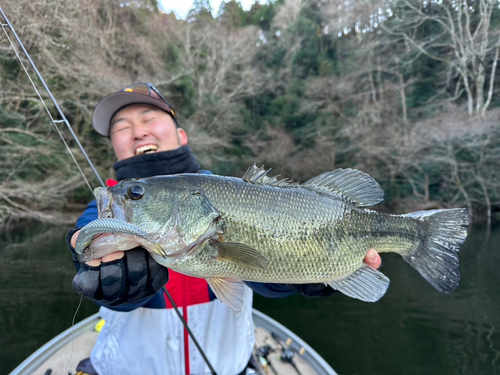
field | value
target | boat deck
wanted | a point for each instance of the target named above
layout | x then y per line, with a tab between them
67	358
263	337
63	353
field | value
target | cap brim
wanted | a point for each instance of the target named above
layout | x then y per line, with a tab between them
107	108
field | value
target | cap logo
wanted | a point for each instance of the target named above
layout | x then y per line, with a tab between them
128	90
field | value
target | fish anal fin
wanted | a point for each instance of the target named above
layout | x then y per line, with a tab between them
240	254
350	184
366	284
228	291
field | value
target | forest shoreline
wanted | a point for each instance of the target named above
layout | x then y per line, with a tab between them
302	87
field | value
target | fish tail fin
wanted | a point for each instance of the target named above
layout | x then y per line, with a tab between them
435	257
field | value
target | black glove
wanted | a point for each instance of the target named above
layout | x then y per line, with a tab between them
312	290
132	278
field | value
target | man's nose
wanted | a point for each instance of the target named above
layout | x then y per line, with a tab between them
140	130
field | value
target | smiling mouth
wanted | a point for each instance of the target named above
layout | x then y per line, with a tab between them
147	149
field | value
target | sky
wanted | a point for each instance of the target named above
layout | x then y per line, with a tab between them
181	7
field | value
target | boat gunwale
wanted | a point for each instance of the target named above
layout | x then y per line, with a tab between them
35	360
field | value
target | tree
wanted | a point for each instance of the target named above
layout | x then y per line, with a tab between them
232	14
201	10
464	36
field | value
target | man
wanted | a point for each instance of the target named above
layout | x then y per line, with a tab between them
142	334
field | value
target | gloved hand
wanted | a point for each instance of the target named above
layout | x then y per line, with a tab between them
132	278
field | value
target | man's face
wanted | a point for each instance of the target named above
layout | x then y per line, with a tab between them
142	128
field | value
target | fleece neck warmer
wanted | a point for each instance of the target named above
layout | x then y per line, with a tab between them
180	160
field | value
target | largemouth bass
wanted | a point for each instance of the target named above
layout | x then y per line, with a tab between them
259	228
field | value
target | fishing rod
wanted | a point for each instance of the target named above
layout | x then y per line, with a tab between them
286	353
263	355
61	114
189	331
65	121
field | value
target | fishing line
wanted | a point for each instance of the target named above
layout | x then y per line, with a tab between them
64	120
55	122
61	114
72	332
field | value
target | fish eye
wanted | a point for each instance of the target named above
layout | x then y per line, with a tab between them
136	192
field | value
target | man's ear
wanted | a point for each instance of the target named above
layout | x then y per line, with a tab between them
183	138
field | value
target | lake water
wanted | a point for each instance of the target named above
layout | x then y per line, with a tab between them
412	330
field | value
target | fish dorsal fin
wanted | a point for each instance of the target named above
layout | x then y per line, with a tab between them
258	176
228	291
366	284
350	184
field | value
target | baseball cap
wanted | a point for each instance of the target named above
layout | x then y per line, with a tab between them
140	93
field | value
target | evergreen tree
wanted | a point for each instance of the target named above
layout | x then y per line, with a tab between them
200	11
232	14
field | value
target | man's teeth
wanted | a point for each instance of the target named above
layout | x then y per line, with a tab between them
146	149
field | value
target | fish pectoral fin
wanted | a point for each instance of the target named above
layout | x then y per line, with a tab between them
366	284
240	254
228	291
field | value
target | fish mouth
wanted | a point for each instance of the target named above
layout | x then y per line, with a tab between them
103	200
107	208
146	149
105	236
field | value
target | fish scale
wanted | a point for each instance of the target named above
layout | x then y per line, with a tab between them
299	251
258	228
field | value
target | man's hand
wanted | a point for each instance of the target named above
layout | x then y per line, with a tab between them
118	278
96	262
373	259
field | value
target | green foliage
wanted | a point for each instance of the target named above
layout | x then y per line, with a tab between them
10	69
10	118
172	57
262	14
200	11
232	14
306	62
183	96
326	67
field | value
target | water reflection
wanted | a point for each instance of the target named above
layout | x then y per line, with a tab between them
36	298
412	330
